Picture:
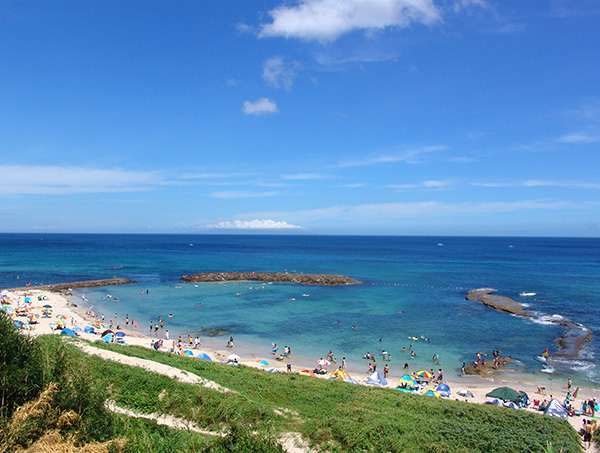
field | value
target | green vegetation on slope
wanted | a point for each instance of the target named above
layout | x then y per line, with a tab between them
333	416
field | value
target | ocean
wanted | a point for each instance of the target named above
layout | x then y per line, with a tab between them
412	287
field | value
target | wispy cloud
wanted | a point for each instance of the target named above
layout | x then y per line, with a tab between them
540	183
327	20
209	176
578	137
54	180
261	106
431	184
411	156
237	194
279	73
266	224
304	176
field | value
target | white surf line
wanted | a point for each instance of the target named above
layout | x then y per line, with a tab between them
154	367
162	419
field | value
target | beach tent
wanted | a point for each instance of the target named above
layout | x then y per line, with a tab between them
338	375
107	338
407	381
525	401
120	334
307	373
465	393
495	401
511	405
432	393
204	356
377	379
107	332
555	409
444	390
350	380
68	332
89	329
506	394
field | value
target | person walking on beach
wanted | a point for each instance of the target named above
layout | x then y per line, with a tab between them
386	370
569	384
587	434
167	334
343	363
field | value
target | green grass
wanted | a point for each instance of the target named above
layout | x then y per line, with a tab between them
332	415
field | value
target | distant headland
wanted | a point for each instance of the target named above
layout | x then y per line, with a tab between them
280	277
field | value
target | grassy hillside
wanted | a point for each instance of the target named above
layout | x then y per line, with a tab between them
260	409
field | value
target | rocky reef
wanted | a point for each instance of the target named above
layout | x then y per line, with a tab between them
81	284
570	343
285	277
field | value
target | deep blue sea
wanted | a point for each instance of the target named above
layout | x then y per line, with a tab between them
414	286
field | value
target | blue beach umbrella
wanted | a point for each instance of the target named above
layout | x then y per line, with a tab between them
204	356
120	334
273	370
263	362
188	352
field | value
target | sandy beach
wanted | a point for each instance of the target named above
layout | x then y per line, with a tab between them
76	318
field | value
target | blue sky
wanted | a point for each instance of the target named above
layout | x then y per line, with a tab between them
434	117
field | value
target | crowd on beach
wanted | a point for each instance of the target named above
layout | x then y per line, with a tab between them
32	304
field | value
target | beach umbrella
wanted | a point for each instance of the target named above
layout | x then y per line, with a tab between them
204	356
62	317
47	306
77	329
27	300
307	373
107	332
424	374
4	292
263	362
465	393
233	357
323	362
233	363
68	332
432	393
505	394
120	334
33	318
273	370
407	379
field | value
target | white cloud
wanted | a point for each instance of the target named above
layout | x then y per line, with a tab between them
431	184
540	183
54	180
304	176
261	106
327	20
411	156
578	137
237	194
266	224
278	73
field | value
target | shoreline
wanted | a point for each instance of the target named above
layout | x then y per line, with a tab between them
78	316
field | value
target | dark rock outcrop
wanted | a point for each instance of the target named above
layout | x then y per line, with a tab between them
570	343
74	285
306	279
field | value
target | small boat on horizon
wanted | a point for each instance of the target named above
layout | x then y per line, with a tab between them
527	294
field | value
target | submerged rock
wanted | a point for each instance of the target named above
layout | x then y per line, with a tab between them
285	277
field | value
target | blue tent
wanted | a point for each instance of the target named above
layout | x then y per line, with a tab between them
443	390
204	356
68	332
89	329
107	338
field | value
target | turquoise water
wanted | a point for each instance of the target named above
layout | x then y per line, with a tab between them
425	278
